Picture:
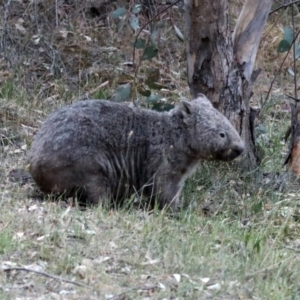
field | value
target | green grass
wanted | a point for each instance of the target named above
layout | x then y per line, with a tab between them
6	241
132	252
244	243
236	235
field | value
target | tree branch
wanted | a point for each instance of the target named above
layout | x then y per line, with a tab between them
147	23
279	70
283	6
44	274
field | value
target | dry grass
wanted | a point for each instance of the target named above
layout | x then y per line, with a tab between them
236	238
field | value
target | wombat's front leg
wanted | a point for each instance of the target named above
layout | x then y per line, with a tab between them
169	191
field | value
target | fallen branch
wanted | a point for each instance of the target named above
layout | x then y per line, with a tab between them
118	296
44	274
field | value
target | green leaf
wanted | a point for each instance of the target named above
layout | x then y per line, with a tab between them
118	13
256	246
288	35
287	41
137	8
134	23
140	44
122	93
260	129
179	34
149	53
153	98
283	46
100	95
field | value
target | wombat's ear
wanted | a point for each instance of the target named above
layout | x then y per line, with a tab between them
186	109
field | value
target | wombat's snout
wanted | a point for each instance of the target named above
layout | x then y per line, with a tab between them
237	150
231	153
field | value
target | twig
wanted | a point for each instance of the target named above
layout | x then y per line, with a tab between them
99	87
147	23
276	74
134	289
44	274
291	97
283	6
136	39
292	249
139	63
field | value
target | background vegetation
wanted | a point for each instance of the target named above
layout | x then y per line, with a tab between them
238	235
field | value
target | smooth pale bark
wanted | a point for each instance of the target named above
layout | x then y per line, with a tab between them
221	65
248	32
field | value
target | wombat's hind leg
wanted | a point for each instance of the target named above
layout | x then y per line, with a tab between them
96	191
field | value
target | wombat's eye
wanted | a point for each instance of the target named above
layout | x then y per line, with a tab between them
222	135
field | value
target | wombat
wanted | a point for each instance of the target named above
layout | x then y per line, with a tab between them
105	150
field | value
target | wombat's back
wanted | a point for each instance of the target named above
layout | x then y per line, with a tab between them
82	124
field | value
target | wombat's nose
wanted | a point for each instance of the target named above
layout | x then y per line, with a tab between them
238	149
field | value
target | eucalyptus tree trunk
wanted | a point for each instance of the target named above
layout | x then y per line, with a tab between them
220	64
293	157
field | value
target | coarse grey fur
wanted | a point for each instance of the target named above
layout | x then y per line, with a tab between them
108	150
